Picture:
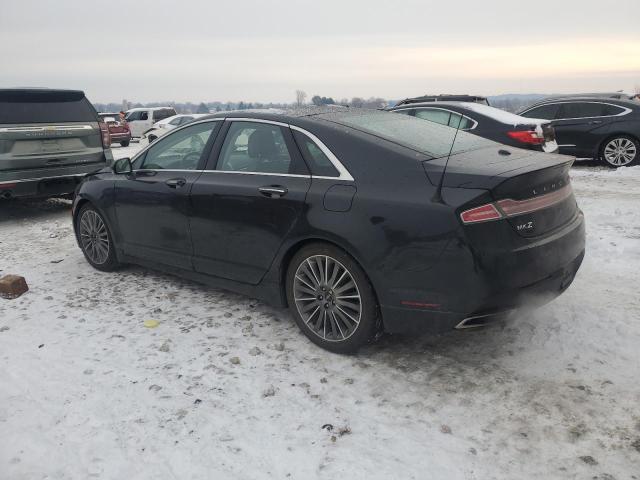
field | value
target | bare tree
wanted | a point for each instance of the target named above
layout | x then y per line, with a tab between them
301	96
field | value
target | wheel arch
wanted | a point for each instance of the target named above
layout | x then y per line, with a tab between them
296	246
78	206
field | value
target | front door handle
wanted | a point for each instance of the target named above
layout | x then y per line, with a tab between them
176	182
273	191
595	122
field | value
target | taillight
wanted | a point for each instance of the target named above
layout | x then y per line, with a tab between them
518	207
105	135
527	136
481	214
511	208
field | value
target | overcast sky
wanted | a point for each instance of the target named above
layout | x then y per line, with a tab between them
252	50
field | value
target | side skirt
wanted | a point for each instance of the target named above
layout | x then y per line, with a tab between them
268	292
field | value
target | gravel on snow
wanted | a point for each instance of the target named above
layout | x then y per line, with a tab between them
227	387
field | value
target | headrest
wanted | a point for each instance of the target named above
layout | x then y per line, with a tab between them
262	144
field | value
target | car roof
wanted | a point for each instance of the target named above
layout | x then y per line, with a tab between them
474	109
442	98
614	101
288	115
12	94
148	108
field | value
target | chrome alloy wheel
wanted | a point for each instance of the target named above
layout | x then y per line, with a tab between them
327	298
94	237
620	151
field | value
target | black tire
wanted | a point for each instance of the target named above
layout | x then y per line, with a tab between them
624	140
354	336
110	261
151	138
125	143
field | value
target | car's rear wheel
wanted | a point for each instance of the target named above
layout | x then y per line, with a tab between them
95	239
622	151
125	143
331	298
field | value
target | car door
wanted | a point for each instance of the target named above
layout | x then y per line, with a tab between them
579	126
152	203
247	200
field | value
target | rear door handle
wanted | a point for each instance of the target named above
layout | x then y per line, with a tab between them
176	182
273	191
595	122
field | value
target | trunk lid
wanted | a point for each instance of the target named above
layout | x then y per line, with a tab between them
531	190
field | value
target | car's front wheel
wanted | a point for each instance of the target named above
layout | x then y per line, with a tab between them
95	239
331	298
622	151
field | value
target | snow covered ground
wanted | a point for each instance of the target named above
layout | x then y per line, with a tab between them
226	387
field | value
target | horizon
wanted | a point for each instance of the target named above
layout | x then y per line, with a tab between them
338	49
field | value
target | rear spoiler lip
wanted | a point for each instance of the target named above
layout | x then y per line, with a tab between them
476	180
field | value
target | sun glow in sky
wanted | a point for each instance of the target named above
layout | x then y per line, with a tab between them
264	50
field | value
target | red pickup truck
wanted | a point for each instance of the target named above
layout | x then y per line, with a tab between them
119	130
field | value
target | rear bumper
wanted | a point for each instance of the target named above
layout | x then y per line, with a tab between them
120	137
45	182
525	277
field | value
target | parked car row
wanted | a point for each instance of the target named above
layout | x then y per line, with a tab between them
602	126
163	126
438	214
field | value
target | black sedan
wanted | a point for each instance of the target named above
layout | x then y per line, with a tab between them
344	216
488	122
607	129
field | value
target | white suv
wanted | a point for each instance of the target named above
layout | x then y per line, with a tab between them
142	119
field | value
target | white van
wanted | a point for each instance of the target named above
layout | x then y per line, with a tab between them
142	119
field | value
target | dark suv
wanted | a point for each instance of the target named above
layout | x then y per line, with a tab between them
49	139
593	127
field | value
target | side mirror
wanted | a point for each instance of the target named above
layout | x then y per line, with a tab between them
122	165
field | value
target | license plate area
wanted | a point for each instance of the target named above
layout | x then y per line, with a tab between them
57	186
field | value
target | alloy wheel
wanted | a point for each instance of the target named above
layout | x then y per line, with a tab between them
327	298
620	151
94	237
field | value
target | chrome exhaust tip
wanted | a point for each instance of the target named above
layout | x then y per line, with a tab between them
476	321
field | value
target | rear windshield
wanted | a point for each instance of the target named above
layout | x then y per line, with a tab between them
45	107
429	138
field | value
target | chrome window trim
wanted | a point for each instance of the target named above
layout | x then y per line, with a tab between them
344	174
625	110
475	123
257	120
294	175
342	170
46	128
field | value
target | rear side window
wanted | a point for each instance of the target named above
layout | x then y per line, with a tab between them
255	148
545	112
45	107
613	110
137	115
317	161
434	115
426	137
582	110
